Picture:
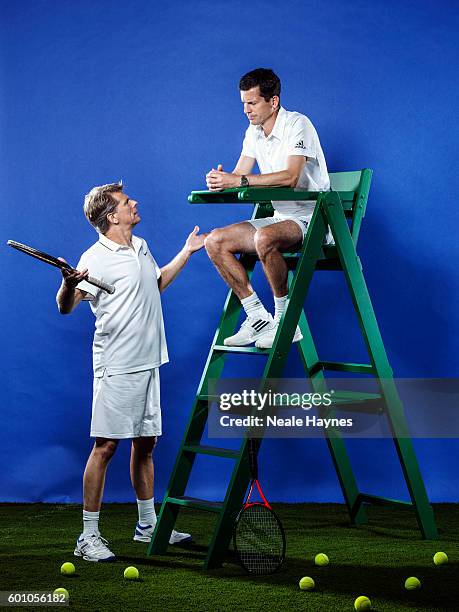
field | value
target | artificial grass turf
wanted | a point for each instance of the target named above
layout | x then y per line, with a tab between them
372	560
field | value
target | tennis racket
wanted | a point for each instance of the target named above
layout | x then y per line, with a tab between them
57	263
258	537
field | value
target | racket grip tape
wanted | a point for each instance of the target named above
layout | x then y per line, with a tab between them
98	283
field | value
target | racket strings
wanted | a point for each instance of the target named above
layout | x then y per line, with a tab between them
259	540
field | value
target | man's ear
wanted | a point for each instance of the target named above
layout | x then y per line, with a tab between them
112	218
275	102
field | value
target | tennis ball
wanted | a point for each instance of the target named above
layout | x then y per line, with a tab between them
131	573
307	583
362	603
61	591
412	583
67	569
321	559
440	558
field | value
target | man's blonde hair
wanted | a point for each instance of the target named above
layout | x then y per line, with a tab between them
98	203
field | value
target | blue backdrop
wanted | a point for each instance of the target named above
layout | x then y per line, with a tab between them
92	92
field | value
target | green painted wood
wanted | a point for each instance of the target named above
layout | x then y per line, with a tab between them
214	451
346	202
340	366
262	195
340	458
253	350
373	340
195	503
345	181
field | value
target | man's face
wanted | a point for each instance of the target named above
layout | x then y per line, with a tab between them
126	211
255	106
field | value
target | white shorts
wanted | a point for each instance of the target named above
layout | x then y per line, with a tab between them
302	222
126	405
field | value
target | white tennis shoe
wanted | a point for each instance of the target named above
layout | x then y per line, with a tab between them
267	340
93	548
252	329
143	533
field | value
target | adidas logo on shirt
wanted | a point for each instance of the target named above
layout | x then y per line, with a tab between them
300	145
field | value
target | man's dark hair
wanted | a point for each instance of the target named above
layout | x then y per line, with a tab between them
265	78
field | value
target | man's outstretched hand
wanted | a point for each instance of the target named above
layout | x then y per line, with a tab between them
195	241
217	180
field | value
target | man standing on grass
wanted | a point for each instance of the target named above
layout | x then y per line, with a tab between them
286	147
129	348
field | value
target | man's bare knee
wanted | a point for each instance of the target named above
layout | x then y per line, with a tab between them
215	242
264	243
144	447
105	449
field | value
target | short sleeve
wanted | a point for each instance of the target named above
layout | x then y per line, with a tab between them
157	268
248	146
302	138
92	292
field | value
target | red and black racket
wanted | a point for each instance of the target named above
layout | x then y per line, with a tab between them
57	263
258	537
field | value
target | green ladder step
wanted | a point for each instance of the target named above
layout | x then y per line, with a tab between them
253	350
195	503
342	366
349	400
377	500
214	451
352	401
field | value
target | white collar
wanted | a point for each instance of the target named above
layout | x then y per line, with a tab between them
114	246
279	126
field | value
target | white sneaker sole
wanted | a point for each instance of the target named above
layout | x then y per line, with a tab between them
78	553
138	538
172	541
296	338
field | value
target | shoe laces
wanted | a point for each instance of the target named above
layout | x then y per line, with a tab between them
98	540
247	322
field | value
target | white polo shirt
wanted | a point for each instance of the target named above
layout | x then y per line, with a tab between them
129	335
293	134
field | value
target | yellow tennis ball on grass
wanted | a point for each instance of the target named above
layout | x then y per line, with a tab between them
321	559
67	568
61	591
440	558
412	583
131	573
362	603
307	583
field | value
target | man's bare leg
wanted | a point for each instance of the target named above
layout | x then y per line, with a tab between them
141	466
90	545
142	478
94	474
222	244
270	241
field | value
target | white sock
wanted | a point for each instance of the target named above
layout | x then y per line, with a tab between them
90	523
147	514
279	306
253	307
